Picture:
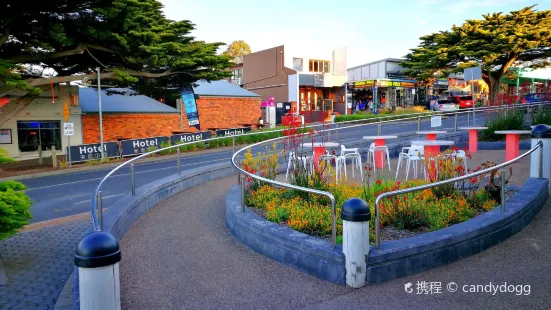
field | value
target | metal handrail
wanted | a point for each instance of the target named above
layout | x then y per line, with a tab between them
453	180
96	208
286	185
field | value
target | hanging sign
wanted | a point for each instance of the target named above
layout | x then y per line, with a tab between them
188	99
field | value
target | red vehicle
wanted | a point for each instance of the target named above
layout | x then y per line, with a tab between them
463	101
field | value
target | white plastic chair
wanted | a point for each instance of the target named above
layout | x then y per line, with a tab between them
353	153
371	154
339	164
413	155
295	160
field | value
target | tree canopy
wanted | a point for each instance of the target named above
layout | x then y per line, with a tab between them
236	50
131	41
497	42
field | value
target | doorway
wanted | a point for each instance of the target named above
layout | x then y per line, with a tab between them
32	134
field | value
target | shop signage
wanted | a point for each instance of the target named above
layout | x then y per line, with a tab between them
5	136
190	137
188	99
232	132
140	146
318	80
397	76
442	82
92	151
364	84
387	83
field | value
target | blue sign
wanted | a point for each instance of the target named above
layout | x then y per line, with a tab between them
188	98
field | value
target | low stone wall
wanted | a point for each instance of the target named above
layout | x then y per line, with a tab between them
395	259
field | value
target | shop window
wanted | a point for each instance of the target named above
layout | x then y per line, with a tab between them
297	64
31	134
321	66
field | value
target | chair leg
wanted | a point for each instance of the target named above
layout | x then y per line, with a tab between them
288	168
388	160
359	158
407	168
398	166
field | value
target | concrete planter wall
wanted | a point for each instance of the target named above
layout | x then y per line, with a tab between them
397	258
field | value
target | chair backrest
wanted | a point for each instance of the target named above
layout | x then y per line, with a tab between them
372	146
460	153
416	150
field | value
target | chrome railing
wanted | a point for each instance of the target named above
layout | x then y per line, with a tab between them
382	196
97	209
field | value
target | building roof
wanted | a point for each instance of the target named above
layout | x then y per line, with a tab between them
378	61
120	103
221	89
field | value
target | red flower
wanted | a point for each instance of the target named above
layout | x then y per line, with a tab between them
398	183
460	169
454	148
379	181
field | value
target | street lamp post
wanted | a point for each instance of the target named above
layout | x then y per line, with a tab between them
100	116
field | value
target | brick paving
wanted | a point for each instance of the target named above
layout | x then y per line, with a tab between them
38	264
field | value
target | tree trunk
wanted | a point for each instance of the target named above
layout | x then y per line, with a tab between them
493	90
15	106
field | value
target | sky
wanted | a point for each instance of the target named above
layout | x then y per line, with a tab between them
369	29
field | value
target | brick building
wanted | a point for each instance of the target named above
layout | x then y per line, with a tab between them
220	104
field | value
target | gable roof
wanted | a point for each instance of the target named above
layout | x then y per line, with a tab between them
221	89
120	103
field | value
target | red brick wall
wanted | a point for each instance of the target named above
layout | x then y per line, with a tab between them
214	113
224	112
128	126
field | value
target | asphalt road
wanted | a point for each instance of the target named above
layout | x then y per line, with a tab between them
69	194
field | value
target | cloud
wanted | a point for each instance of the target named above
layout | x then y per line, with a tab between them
423	21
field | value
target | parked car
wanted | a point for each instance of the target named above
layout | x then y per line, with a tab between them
533	98
463	101
445	105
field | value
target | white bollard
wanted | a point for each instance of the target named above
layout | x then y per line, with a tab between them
541	133
97	258
355	216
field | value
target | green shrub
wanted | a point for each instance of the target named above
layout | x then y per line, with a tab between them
512	120
4	158
372	118
14	208
541	117
169	151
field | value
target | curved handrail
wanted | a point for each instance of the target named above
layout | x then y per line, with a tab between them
96	204
448	181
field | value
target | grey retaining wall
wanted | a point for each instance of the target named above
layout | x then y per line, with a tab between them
396	258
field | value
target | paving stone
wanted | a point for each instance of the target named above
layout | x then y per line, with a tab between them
38	264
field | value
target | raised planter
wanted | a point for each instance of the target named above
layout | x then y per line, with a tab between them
396	258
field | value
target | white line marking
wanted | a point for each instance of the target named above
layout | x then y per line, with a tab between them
104	197
124	174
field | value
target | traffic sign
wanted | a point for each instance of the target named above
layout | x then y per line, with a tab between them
66	112
68	129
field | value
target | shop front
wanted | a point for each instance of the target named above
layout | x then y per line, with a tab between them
383	93
318	98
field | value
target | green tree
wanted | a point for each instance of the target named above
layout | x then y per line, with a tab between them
14	208
132	42
236	50
497	42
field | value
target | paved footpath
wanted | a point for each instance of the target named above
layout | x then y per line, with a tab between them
38	264
180	255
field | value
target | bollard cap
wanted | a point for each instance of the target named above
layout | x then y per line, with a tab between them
355	210
541	131
97	249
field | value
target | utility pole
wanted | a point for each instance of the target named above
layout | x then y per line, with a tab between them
100	116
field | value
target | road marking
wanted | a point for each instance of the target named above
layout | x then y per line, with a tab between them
104	197
125	174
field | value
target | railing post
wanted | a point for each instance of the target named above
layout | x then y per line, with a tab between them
178	159
99	210
540	164
333	223
355	216
455	122
337	132
502	190
468	119
242	193
418	124
132	179
97	257
379	127
377	227
233	144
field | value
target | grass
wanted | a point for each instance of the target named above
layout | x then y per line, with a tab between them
541	117
372	118
513	120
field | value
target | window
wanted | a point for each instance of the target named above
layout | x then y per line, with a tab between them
31	134
297	64
321	66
